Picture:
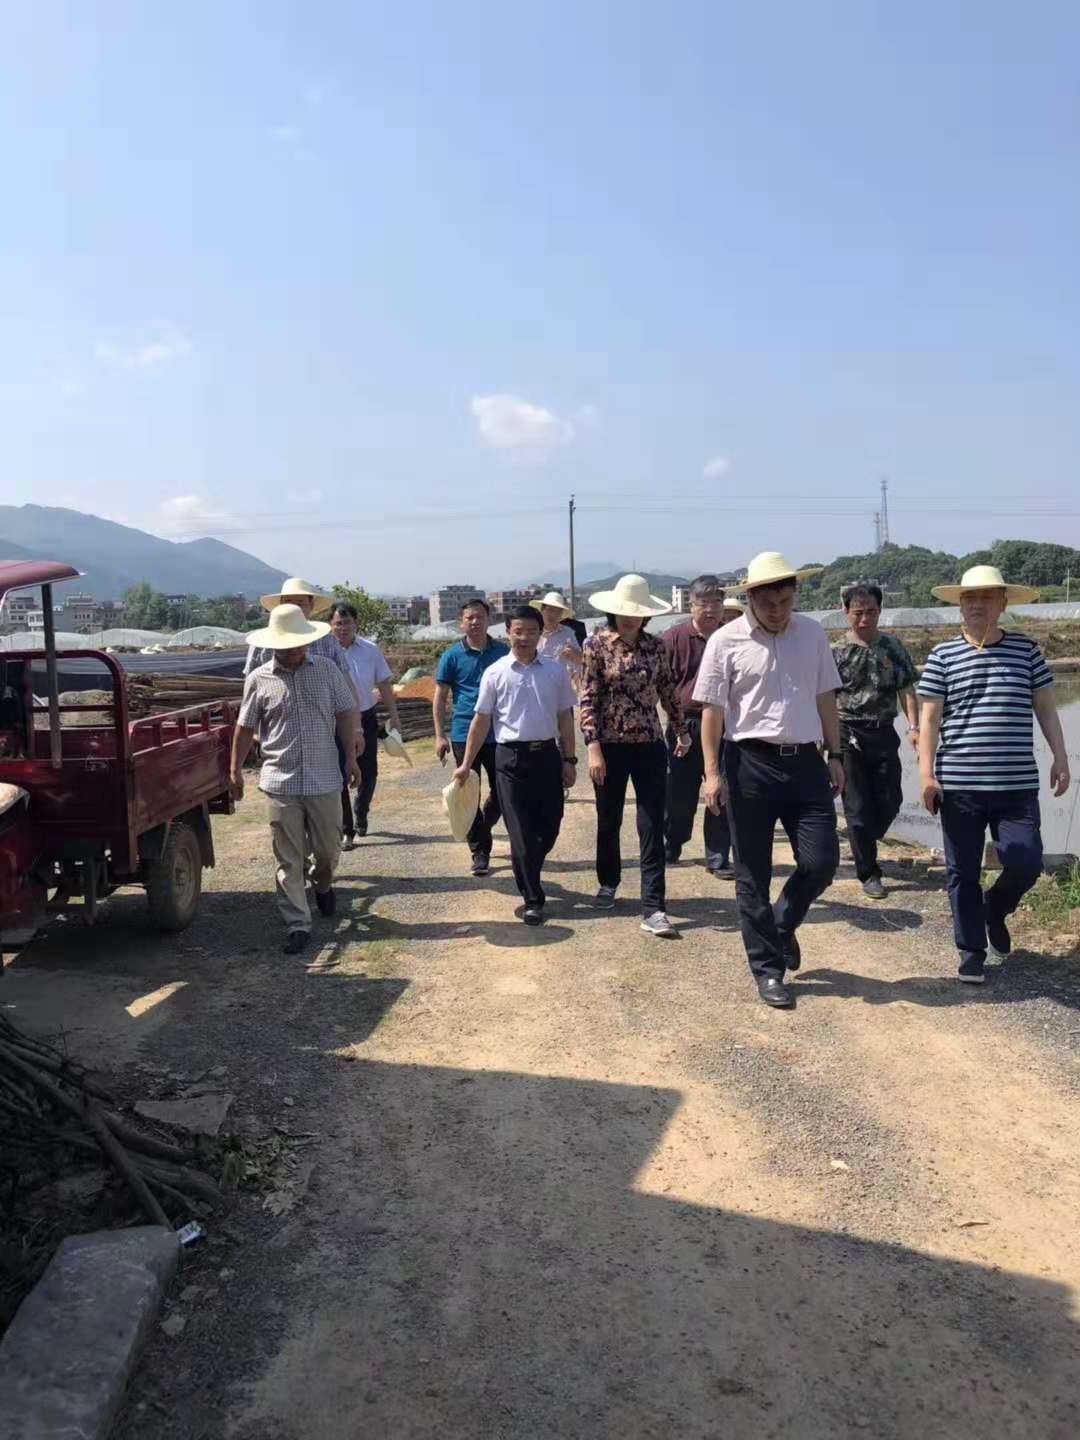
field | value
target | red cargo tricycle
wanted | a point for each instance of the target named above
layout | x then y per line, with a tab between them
86	807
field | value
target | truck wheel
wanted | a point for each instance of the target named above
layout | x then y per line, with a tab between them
174	882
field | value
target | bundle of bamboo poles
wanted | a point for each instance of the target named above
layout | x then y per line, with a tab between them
150	693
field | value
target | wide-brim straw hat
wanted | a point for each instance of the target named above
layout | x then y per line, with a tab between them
985	577
770	568
555	599
461	803
287	630
294	587
394	745
630	596
730	603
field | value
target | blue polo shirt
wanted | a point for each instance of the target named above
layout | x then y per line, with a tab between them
462	669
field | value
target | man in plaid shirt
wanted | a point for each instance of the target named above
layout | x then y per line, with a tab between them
294	705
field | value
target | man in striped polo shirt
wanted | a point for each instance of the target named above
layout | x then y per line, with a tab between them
977	758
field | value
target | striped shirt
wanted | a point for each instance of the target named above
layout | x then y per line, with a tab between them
986	740
294	716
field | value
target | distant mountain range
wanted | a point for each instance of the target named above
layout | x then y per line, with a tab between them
113	556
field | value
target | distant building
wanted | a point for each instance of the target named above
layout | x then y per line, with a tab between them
81	612
14	609
503	601
446	603
680	599
409	610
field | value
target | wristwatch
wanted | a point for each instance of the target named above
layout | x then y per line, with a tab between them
569	759
835	755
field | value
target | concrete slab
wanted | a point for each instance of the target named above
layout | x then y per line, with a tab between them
203	1113
67	1356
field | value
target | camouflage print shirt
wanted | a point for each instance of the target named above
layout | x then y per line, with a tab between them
872	676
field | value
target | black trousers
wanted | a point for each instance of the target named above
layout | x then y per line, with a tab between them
645	763
356	804
684	779
529	786
872	790
764	787
1014	823
487	816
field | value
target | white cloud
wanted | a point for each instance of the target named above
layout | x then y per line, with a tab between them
716	466
167	346
526	431
187	517
287	134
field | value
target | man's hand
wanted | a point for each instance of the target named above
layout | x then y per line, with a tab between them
352	774
569	775
836	776
913	740
461	774
1059	777
597	765
236	784
442	749
715	793
682	746
931	794
358	748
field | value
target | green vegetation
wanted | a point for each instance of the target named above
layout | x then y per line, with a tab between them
148	609
908	572
1054	898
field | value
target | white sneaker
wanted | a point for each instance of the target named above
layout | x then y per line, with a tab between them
658	924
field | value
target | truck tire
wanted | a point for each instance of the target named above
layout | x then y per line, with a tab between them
174	881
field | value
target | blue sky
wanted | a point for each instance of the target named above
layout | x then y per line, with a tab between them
370	289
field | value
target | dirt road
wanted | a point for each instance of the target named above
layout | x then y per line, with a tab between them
579	1182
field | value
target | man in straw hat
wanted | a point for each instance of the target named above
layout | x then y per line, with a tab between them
528	700
977	759
769	681
876	670
295	704
685	645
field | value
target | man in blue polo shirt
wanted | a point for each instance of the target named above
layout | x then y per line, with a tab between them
458	677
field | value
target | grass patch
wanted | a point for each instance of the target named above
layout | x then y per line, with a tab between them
1052	899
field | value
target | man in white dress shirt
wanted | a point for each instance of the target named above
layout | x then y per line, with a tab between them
530	702
366	667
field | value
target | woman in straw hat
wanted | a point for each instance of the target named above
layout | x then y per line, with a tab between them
977	759
625	672
557	640
768	685
295	705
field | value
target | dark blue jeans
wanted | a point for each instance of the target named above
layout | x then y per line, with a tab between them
1013	820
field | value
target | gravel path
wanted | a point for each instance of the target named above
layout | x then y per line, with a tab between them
578	1182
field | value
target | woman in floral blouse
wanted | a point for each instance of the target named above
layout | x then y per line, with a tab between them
625	672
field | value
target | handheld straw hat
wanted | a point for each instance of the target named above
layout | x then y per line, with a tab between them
985	577
394	745
630	597
287	630
294	587
461	803
770	568
554	598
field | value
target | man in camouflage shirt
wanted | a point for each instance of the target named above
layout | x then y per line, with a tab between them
875	669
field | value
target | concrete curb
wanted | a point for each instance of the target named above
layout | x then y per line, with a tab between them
68	1354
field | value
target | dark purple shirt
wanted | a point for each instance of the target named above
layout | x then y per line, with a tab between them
685	648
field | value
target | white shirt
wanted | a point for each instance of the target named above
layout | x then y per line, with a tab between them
552	646
366	668
525	700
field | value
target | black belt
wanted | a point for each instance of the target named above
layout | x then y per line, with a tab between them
867	723
528	744
777	747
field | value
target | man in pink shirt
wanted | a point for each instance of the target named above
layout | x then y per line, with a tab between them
768	685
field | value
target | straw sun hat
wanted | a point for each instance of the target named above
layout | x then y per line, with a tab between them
985	577
461	803
630	597
770	568
294	587
287	630
555	599
730	603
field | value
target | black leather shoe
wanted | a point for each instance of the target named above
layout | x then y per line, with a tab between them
775	993
361	827
326	901
533	915
295	942
792	953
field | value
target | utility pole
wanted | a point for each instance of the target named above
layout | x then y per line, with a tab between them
1067	579
884	538
573	598
877	531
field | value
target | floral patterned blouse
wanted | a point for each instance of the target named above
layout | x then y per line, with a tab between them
620	687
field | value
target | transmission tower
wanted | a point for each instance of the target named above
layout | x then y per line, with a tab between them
884	528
